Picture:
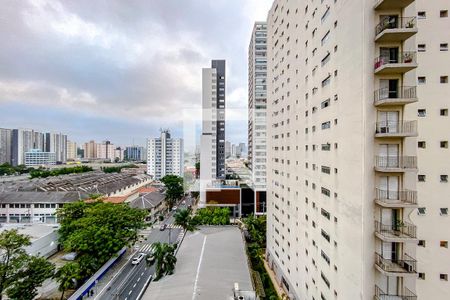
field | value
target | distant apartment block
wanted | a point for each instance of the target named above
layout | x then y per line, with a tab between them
357	168
257	111
5	145
135	153
165	156
90	150
37	157
56	143
106	151
71	150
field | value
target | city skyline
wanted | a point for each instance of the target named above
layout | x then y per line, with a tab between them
84	94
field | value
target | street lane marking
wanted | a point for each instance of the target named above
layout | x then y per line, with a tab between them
194	293
139	279
142	273
134	285
129	293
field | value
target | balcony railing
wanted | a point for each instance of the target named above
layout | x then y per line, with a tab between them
389	22
404	295
386	94
388	163
391	197
406	265
394	128
407	57
401	230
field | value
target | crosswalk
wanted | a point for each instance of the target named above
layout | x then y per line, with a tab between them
145	248
173	226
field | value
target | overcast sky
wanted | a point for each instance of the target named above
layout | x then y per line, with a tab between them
120	70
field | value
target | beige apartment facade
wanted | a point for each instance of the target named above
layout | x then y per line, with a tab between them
344	178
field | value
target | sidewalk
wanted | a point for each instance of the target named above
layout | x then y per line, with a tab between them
276	285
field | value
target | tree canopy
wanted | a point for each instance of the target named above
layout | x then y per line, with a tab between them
212	216
174	189
43	173
20	273
183	217
96	231
163	256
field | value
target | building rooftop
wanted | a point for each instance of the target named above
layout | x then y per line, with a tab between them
35	231
40	197
148	200
210	262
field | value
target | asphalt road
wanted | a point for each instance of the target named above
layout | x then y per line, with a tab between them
130	281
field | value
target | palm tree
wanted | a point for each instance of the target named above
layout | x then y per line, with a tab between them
67	277
163	255
184	218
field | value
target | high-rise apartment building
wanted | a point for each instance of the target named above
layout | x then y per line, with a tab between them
23	140
135	153
350	195
212	140
257	107
106	151
71	150
433	188
5	145
90	149
56	143
165	156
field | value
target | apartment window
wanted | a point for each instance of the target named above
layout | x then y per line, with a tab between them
325	257
422	15
325	235
326	147
326	59
325	213
421	144
444	178
443	211
421	243
422	276
325	192
421	211
444	112
443	13
421	178
325	279
326	125
325	169
421	48
443	46
444	244
422	80
444	144
421	113
325	103
326	81
325	15
325	38
443	277
444	79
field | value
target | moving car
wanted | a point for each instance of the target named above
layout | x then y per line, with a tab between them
162	227
137	259
174	208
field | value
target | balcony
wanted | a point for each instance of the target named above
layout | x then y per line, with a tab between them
404	295
396	199
393	29
391	4
401	96
388	129
395	164
399	232
399	63
396	267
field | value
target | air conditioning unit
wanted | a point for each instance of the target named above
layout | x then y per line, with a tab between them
409	267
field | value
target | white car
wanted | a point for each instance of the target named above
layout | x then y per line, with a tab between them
174	208
137	259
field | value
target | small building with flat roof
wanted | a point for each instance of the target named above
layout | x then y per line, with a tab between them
211	263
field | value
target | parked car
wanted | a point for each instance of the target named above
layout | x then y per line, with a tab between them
162	227
137	259
174	208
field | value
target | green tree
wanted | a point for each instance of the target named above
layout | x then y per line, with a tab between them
96	231
174	189
256	228
163	256
212	216
19	270
68	276
183	217
197	170
30	278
